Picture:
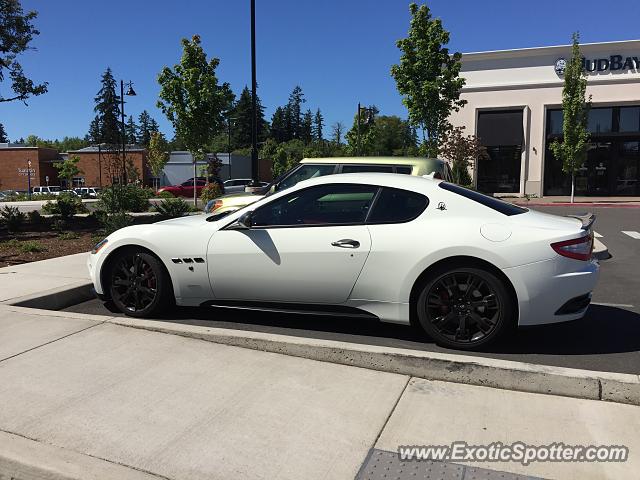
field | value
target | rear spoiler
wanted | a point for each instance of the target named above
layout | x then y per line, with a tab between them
587	219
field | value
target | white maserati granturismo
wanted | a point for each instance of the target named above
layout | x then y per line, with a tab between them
463	266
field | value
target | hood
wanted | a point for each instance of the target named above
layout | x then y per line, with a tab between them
190	220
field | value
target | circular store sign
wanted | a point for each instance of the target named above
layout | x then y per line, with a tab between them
560	66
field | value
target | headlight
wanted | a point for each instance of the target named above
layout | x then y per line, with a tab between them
99	246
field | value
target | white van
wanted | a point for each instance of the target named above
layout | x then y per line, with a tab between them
46	190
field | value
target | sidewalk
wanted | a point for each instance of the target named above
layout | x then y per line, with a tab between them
85	398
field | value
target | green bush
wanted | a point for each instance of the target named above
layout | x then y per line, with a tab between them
66	206
31	246
210	191
34	217
127	198
13	243
12	218
165	194
68	236
115	221
173	207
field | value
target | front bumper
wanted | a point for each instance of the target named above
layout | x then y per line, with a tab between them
544	288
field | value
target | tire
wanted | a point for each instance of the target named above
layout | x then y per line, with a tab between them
465	308
139	285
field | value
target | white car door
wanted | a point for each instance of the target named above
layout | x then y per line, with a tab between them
308	247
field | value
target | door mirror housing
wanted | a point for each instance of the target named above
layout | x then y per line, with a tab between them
242	223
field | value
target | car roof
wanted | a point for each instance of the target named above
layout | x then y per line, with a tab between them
414	161
406	182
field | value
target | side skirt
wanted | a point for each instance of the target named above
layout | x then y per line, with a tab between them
292	308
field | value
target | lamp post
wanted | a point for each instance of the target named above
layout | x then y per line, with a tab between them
29	178
130	93
369	112
254	109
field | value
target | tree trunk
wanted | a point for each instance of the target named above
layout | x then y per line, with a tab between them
573	185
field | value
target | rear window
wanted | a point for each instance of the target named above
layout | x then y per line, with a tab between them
491	202
367	168
406	170
396	206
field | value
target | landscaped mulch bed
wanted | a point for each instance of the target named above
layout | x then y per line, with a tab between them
19	248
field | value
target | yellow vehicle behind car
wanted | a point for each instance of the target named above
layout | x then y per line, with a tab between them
316	167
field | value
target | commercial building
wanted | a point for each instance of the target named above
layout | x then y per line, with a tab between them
101	166
20	165
514	105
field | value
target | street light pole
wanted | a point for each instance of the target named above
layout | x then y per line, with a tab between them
254	109
131	93
358	143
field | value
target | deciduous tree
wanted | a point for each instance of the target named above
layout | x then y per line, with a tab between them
16	33
157	154
463	151
193	100
68	169
428	77
572	151
338	132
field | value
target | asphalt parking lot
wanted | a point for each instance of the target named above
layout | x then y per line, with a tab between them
607	339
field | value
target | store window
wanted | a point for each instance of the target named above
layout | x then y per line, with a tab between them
502	133
612	164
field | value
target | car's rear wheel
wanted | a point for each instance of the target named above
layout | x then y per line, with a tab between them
138	284
464	308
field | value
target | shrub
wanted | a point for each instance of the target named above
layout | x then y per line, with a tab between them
13	243
165	194
127	198
68	236
115	221
12	218
30	246
34	217
210	191
66	206
173	207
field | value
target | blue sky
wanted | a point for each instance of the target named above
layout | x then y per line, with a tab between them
338	51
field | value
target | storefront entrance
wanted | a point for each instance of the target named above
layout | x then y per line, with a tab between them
612	167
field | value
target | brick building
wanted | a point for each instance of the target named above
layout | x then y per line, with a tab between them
102	166
15	170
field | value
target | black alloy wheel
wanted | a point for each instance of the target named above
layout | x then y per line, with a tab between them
138	284
465	308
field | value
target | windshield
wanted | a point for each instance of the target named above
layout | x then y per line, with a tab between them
305	172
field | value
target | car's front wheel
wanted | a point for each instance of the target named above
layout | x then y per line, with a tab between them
138	284
465	308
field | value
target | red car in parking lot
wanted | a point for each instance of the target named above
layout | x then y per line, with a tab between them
185	189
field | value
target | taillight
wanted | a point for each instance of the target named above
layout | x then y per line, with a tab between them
577	248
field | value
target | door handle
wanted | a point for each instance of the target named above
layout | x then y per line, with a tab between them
346	243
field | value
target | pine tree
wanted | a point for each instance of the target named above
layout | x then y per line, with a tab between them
95	131
242	114
294	113
131	131
3	135
108	110
318	124
146	126
306	129
279	125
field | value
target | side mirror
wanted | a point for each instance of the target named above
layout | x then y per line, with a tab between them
273	188
242	223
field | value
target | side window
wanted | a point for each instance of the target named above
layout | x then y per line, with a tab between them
335	204
367	168
406	170
396	206
306	172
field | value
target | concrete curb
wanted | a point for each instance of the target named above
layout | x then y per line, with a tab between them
466	369
23	458
56	298
600	250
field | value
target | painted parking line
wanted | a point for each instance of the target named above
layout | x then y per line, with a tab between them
597	235
632	234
